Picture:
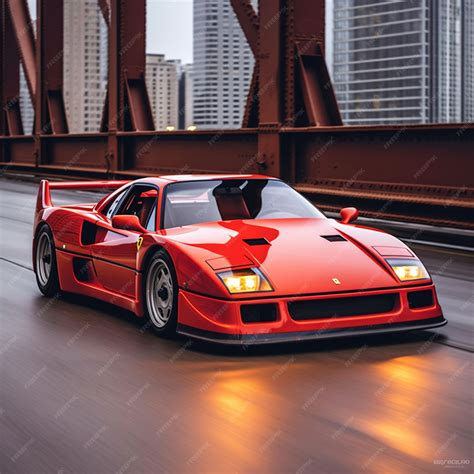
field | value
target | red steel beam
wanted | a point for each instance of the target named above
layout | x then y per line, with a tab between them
430	171
249	21
3	71
310	98
10	115
129	105
24	33
270	86
104	6
50	110
413	173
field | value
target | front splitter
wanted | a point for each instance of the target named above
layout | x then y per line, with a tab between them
275	338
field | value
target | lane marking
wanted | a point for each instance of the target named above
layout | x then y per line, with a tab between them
17	264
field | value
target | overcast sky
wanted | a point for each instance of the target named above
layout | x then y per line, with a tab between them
169	27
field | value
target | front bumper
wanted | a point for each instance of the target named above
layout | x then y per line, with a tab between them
274	338
215	320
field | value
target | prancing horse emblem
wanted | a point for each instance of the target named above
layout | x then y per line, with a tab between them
336	281
139	243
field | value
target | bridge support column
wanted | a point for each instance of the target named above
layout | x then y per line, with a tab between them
10	116
50	112
127	104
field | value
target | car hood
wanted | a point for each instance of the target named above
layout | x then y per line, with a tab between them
298	256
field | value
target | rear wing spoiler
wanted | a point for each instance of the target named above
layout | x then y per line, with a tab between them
44	192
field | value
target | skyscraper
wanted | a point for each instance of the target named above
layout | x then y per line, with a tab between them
467	61
186	93
26	106
222	68
162	86
85	64
402	62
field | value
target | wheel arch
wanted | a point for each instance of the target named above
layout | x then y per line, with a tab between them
145	260
38	227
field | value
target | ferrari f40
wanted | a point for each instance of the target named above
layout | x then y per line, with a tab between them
235	259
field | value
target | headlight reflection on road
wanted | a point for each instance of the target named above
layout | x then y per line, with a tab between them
401	424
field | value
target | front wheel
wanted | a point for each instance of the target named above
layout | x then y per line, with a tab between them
46	270
161	294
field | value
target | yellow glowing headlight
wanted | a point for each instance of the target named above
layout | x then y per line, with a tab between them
245	281
408	269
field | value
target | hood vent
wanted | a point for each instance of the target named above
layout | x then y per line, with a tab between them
334	238
257	241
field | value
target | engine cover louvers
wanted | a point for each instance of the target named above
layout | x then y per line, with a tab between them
334	238
257	241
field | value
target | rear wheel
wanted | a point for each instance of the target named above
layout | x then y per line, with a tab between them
46	270
161	294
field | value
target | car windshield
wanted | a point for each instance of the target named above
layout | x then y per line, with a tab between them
194	202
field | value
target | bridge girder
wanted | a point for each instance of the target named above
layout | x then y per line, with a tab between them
292	126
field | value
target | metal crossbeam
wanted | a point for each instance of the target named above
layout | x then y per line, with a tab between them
292	125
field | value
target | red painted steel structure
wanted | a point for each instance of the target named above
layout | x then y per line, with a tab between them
292	127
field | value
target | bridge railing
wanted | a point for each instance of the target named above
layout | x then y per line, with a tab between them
292	126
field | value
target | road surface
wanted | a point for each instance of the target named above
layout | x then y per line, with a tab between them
85	387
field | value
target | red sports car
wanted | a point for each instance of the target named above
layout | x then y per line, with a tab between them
231	258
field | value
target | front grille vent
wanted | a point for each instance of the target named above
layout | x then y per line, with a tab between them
257	241
334	238
420	299
342	307
259	313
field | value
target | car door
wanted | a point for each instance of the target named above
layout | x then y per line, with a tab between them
115	251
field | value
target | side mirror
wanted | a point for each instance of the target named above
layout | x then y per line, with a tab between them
127	222
349	214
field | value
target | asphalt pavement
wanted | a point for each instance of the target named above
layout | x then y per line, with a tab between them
86	387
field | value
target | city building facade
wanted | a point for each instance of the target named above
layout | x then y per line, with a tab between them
26	106
85	64
186	119
162	86
222	68
402	62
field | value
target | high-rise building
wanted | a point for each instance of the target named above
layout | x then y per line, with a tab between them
186	94
26	106
402	62
162	86
223	65
85	64
467	61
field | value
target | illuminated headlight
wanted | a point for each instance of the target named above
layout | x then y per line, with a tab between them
408	269
245	281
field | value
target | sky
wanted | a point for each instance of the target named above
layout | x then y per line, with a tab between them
169	27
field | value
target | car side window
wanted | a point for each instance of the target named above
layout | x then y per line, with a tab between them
111	208
151	226
141	202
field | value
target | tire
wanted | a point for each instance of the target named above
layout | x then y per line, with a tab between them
45	266
160	294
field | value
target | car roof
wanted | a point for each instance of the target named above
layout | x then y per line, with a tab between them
200	177
163	180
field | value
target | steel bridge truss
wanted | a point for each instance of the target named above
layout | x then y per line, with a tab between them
292	127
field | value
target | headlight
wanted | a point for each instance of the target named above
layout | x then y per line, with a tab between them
245	281
408	269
